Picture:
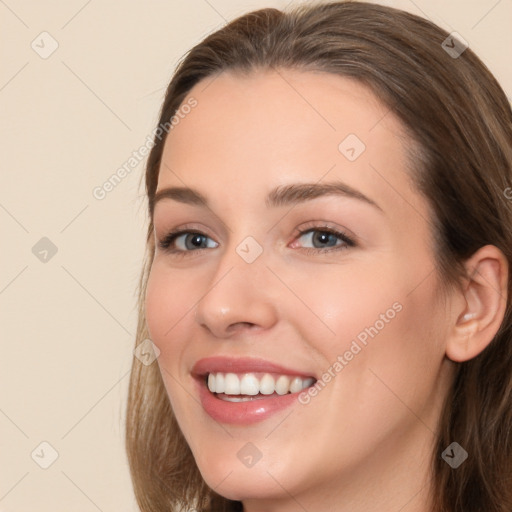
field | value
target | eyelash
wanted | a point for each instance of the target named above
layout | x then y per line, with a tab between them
166	242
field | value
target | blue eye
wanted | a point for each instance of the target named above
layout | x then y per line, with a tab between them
321	239
185	241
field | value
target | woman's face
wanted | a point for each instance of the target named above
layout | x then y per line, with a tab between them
305	274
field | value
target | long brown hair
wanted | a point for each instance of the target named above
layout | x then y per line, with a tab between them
460	119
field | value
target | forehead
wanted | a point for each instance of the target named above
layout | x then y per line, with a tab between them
250	133
285	111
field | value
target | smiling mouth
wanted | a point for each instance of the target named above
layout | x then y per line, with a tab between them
246	390
245	387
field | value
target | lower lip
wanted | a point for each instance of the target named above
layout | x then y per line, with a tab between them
243	413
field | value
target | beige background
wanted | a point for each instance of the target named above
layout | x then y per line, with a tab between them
68	122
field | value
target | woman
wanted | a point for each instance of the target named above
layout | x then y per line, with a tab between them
327	281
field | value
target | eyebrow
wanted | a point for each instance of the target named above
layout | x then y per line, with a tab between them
283	195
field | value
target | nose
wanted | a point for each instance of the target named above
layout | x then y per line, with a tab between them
239	298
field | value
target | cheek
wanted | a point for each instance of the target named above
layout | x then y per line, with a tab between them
340	304
168	304
382	324
169	312
158	304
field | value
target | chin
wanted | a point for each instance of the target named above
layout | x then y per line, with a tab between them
244	483
228	469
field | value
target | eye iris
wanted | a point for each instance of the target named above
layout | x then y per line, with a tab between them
196	241
324	238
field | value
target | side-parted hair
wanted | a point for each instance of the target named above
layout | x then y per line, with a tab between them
460	123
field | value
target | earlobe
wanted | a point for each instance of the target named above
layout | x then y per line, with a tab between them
484	304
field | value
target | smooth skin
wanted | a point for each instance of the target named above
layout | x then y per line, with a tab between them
364	442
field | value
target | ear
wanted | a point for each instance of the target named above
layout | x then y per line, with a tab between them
482	308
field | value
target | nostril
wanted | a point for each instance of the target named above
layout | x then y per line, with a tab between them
239	326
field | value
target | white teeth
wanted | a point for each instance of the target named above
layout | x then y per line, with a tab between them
231	384
237	398
249	385
220	383
296	385
267	384
211	382
306	383
282	385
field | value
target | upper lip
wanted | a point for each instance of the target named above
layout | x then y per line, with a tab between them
226	364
